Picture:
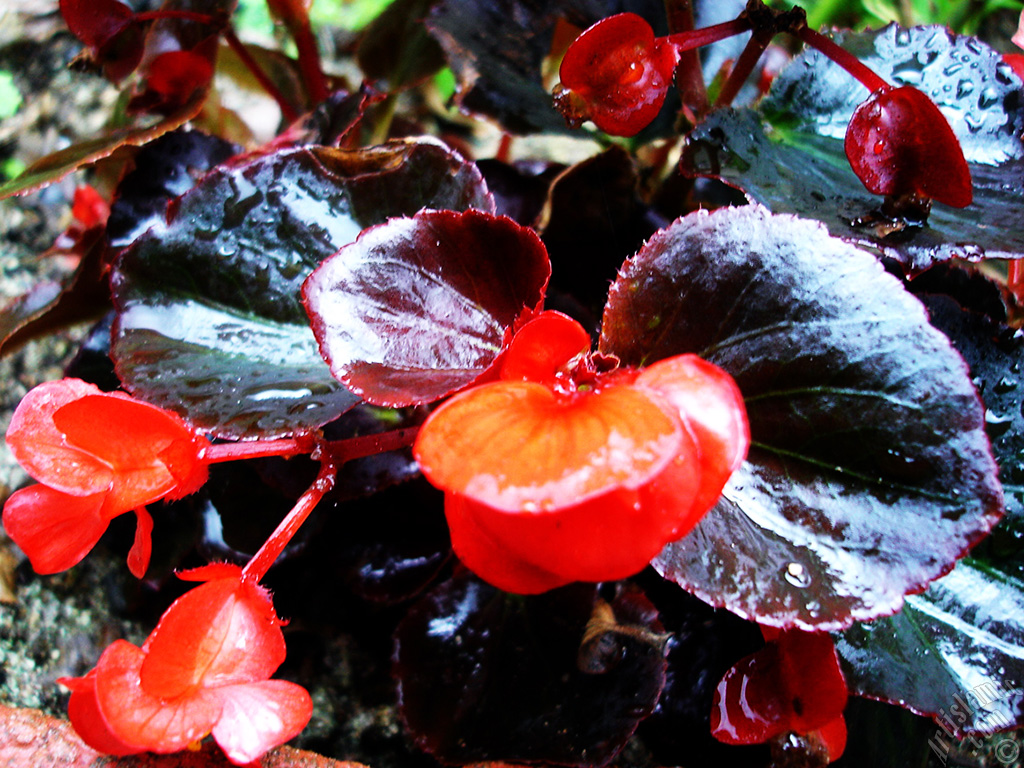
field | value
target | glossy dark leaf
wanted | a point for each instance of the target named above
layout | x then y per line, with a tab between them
869	472
794	162
809	176
955	652
420	307
484	675
496	50
163	169
231	259
995	356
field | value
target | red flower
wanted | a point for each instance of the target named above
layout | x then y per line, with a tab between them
96	456
570	470
792	685
617	74
898	142
204	669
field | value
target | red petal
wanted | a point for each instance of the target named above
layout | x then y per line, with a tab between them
603	539
833	736
520	447
542	347
141	720
899	142
85	716
710	404
134	438
220	633
142	547
176	75
43	450
259	716
54	530
96	22
792	684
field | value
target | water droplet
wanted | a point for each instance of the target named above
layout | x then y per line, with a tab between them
952	69
997	425
531	506
1005	385
988	98
797	575
879	147
964	88
903	37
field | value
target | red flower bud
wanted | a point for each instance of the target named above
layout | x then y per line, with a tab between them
617	74
898	142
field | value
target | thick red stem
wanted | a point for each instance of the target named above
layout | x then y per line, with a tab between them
288	112
864	74
201	18
689	75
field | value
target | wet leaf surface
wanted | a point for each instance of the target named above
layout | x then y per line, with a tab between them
869	472
955	651
210	323
794	162
420	307
485	675
809	176
163	169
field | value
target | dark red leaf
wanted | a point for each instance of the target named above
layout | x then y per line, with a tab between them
419	307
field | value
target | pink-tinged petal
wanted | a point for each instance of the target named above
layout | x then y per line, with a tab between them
136	440
711	405
55	530
142	547
259	716
85	716
141	720
520	447
43	450
220	633
542	346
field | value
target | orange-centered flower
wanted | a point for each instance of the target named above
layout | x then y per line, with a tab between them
96	455
570	469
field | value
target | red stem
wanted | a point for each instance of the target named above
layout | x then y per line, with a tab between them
689	75
332	456
867	76
260	563
288	112
202	18
309	61
1015	277
741	70
686	41
259	449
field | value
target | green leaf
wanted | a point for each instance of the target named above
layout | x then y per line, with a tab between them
869	472
210	321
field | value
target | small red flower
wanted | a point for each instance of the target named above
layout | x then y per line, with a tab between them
205	669
96	455
617	74
568	469
898	142
793	684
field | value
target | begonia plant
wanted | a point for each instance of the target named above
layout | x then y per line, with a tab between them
706	442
